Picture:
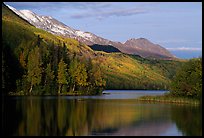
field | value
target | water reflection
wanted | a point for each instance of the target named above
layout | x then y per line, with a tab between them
60	116
188	119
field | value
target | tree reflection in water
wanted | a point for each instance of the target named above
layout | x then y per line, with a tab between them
188	119
60	116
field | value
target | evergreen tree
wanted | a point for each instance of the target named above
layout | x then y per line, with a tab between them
65	53
3	73
38	40
10	68
72	72
49	77
22	60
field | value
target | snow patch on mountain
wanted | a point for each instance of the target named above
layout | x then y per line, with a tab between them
55	27
83	34
139	46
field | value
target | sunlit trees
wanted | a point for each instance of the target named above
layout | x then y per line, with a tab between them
95	77
62	75
36	62
81	75
70	74
34	68
78	73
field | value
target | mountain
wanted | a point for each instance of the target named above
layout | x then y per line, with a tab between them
141	46
146	48
53	26
120	70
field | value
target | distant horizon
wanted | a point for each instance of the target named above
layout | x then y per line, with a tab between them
186	54
176	26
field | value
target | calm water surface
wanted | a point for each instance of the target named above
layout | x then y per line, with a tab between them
116	113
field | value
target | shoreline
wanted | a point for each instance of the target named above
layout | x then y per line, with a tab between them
169	99
166	98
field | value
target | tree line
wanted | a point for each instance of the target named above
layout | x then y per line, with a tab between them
188	80
47	67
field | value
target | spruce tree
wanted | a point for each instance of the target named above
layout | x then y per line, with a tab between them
49	77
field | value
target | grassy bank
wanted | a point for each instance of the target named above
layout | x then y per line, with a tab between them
75	93
167	98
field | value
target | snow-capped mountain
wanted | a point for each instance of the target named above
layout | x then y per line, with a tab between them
54	26
142	47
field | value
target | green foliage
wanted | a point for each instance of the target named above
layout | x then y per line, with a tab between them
37	55
81	75
96	76
188	80
39	59
187	117
166	67
9	15
49	78
60	116
62	74
11	70
124	71
34	67
78	73
169	98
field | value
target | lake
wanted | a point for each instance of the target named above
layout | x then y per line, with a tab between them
115	113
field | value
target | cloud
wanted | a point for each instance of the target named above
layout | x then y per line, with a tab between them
79	10
105	14
93	5
174	41
185	49
58	5
30	5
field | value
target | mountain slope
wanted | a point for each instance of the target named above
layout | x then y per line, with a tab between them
146	48
54	26
105	48
121	71
142	47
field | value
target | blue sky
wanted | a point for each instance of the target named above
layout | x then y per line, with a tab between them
176	26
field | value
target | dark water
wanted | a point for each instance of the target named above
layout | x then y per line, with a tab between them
116	113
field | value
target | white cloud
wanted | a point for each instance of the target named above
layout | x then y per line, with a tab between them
185	49
174	41
104	14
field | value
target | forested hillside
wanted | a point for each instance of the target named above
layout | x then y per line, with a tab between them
35	62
